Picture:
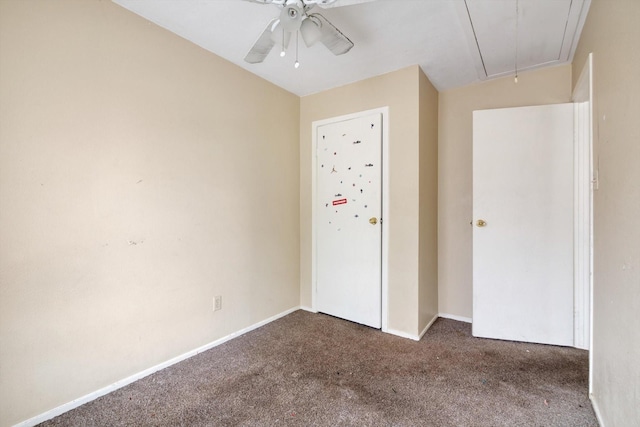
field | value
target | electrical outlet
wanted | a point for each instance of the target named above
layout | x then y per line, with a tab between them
217	303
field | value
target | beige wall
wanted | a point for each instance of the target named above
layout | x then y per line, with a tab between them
612	33
546	86
428	222
130	184
400	92
139	177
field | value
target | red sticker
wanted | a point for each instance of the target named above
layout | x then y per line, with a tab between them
339	202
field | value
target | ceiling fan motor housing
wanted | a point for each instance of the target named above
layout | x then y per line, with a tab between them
291	16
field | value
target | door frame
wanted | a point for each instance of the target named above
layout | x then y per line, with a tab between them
586	184
384	221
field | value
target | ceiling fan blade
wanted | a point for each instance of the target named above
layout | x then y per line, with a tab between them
332	37
262	46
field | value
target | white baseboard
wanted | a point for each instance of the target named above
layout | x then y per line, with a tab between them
454	317
126	381
402	334
426	328
596	409
387	330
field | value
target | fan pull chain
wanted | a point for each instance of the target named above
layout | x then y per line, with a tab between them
282	52
516	65
297	64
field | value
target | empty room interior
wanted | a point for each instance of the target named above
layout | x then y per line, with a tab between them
162	195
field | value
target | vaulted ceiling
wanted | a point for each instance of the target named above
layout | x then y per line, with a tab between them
455	42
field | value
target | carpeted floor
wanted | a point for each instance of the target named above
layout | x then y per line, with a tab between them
315	370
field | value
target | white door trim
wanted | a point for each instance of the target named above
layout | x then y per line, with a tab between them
582	224
385	220
586	183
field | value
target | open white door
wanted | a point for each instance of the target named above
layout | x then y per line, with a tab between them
348	219
523	224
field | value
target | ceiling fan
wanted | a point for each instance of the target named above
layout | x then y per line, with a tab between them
295	19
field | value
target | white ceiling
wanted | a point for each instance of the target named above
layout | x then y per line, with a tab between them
455	42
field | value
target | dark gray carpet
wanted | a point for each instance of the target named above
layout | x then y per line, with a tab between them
314	370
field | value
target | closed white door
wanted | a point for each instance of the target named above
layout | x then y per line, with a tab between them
349	206
523	224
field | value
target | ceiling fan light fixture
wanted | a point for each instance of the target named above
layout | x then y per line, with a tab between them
276	33
310	31
294	19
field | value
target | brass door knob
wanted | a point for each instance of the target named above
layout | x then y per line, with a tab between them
481	223
373	220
